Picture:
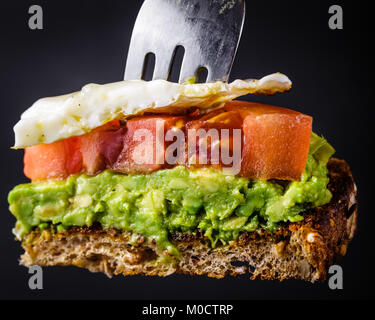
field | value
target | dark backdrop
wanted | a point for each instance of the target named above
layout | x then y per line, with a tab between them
87	41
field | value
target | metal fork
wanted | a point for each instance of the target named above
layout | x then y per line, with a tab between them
208	30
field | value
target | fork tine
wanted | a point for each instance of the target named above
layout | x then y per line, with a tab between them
136	61
163	63
190	66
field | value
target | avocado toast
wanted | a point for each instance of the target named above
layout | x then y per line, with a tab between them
107	196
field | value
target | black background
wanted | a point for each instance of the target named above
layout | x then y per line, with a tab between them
87	41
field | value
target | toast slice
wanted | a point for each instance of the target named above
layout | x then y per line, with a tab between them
302	250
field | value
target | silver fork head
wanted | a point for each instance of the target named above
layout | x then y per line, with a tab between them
208	30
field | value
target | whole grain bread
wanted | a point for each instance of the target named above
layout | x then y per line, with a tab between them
302	250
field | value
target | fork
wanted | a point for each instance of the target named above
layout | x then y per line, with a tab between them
209	31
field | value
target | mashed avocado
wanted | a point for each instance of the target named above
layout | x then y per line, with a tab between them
173	200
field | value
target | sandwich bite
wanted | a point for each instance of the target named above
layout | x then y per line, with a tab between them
155	177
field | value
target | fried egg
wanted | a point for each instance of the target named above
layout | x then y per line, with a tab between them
56	118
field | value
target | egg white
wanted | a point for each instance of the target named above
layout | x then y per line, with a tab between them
55	118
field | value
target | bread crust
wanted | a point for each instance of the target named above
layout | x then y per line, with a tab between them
302	250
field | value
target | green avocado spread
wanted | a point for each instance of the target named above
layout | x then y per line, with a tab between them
173	200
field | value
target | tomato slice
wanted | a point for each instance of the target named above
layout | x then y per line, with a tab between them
101	147
274	144
276	141
73	155
144	144
56	160
213	142
90	152
44	161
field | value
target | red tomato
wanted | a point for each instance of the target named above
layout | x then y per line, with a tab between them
101	147
276	141
92	152
223	122
144	143
53	161
73	155
45	161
